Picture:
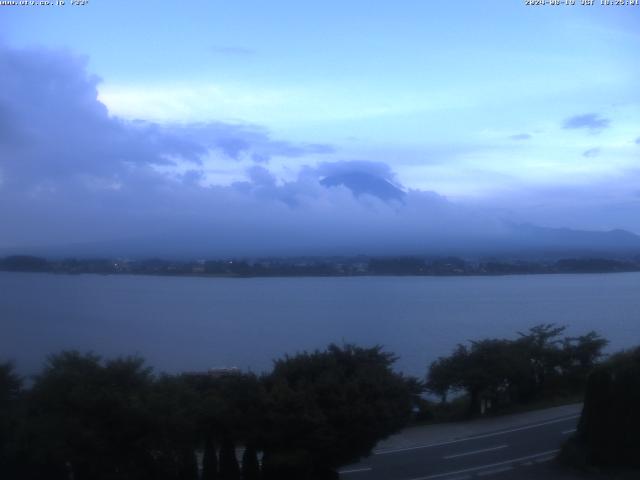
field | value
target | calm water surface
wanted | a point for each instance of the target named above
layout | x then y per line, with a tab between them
182	323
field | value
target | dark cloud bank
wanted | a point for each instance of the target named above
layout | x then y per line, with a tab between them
72	175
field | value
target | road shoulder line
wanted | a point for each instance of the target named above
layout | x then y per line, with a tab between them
488	466
490	449
476	437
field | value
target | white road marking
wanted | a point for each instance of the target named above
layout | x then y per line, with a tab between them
355	470
567	432
486	435
491	465
474	452
494	471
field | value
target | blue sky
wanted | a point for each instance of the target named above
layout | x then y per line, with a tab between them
533	112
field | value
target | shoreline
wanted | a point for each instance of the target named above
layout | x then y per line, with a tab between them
363	275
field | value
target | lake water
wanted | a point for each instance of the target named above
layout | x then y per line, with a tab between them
183	323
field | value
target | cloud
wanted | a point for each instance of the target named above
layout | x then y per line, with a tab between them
520	136
611	203
261	176
238	141
58	130
379	169
591	153
71	173
590	121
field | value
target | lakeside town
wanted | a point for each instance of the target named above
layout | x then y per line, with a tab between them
319	266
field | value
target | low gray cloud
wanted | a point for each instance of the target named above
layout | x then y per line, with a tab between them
592	152
520	136
61	131
590	121
610	203
70	174
379	169
238	141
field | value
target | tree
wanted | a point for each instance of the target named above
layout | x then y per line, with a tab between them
329	408
10	415
172	436
607	433
209	459
230	411
397	266
581	355
229	468
542	347
91	419
501	371
488	371
250	465
24	263
66	415
10	385
596	419
445	373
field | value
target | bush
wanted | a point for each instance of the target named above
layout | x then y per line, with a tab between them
607	434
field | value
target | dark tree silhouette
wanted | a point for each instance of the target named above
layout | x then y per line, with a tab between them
329	408
10	415
497	372
229	468
250	465
209	460
608	429
88	418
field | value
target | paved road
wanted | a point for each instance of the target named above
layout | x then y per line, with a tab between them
502	452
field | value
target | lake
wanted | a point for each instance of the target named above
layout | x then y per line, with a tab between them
190	323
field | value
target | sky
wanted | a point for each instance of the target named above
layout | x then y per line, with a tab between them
130	119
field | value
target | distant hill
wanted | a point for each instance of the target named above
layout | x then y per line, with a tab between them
515	241
543	238
419	235
361	183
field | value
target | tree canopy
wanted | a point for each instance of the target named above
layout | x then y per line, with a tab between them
498	372
113	419
331	407
608	429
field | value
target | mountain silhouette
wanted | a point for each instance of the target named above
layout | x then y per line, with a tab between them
361	183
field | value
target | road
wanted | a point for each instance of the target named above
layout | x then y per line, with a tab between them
500	447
